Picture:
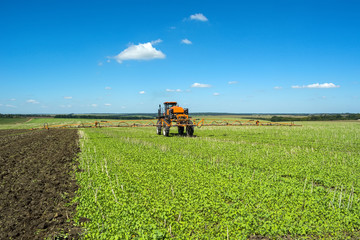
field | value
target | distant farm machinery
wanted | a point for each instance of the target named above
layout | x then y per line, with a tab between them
171	115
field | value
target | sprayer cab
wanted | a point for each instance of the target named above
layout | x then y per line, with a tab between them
173	115
172	110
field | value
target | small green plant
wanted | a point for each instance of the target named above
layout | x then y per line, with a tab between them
225	183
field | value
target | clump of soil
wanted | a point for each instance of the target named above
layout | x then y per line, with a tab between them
37	183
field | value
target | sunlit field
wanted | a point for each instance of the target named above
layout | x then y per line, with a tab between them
223	183
29	123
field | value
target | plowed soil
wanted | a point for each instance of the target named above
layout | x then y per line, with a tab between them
37	183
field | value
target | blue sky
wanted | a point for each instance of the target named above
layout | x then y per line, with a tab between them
210	56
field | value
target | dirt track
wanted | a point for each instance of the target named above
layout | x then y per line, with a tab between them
36	183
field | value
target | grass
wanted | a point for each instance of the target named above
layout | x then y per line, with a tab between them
11	121
39	122
227	182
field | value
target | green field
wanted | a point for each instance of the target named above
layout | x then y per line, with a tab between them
225	183
11	121
27	123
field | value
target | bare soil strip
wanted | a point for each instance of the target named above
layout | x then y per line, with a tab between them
37	183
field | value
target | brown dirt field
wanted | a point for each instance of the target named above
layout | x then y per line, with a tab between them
37	183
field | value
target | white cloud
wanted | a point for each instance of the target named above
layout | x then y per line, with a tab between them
107	88
173	90
107	104
94	105
10	106
32	101
0	104
12	99
68	97
198	17
200	85
123	107
108	60
100	64
277	88
172	27
216	94
66	106
142	92
156	41
186	41
233	82
142	51
317	85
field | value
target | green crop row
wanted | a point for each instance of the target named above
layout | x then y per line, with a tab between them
224	183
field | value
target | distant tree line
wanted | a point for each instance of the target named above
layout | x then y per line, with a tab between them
96	116
24	115
294	117
218	114
321	117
